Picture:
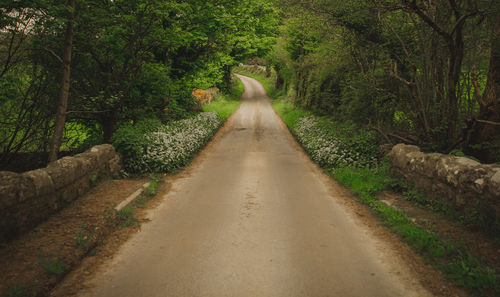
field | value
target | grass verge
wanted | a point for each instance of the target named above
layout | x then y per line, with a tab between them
454	260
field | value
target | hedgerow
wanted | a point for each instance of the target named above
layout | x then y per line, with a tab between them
150	146
334	147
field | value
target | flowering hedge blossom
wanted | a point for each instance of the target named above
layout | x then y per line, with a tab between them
329	150
172	146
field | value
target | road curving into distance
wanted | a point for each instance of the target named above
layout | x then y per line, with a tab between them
253	217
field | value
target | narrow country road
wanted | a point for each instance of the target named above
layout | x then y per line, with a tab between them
253	218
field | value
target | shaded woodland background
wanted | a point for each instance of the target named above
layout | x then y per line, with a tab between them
129	60
420	72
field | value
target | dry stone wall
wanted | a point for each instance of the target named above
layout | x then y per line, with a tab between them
28	198
469	186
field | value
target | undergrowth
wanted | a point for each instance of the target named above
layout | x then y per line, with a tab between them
150	145
454	260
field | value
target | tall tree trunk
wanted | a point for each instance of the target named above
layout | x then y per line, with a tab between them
487	126
108	122
279	80
65	83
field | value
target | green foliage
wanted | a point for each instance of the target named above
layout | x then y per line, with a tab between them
469	272
331	144
383	64
131	60
126	216
149	146
93	179
289	113
152	189
363	181
130	137
458	153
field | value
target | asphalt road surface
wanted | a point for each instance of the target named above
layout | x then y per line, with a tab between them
253	218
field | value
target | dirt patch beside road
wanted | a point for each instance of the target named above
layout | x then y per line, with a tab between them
32	264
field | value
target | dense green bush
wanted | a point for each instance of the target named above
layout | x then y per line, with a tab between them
150	146
332	144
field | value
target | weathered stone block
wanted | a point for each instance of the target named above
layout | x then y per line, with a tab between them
398	154
495	185
68	194
115	164
104	152
29	198
460	182
26	189
41	180
88	162
446	171
64	171
429	164
9	189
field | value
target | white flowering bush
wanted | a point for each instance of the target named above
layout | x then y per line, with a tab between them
333	145
156	147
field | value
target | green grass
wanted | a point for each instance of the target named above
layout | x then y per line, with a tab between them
289	113
226	104
126	216
454	260
152	189
149	192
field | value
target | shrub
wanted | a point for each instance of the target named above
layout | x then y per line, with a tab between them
334	145
150	146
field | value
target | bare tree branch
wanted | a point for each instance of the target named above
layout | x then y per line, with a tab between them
53	54
488	122
412	5
394	73
477	88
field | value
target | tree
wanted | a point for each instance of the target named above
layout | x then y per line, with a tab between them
485	132
401	67
65	84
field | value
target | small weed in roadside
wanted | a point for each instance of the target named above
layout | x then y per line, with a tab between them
125	213
420	198
141	201
93	179
83	241
126	216
469	272
52	267
152	189
149	191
